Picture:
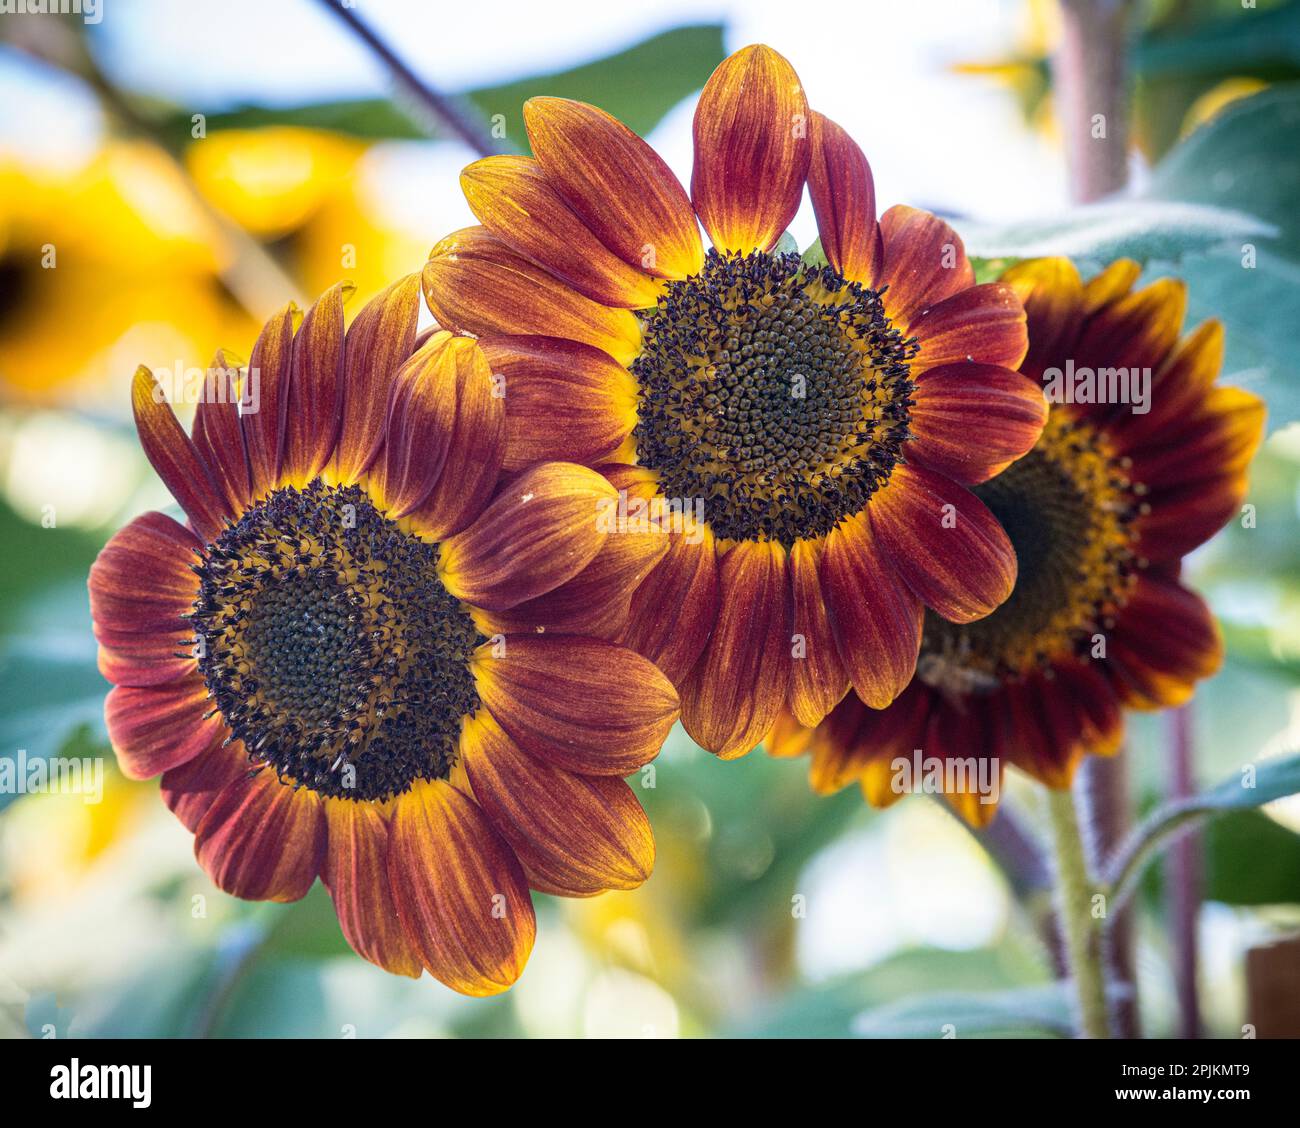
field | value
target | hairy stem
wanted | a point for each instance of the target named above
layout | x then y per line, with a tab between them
1074	910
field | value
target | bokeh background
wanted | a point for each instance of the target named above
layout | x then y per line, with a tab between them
125	239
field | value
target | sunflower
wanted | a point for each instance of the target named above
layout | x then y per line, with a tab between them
1101	512
805	429
371	657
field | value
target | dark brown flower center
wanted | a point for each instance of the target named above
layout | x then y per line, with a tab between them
330	646
773	392
1068	508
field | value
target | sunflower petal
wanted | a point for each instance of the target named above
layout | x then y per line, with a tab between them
672	613
153	728
459	890
264	412
516	201
751	150
315	397
580	704
541	530
984	324
617	184
355	872
969	421
818	680
874	617
261	839
217	433
1052	294
575	834
474	283
924	262
378	342
172	454
844	200
944	542
732	696
446	437
565	401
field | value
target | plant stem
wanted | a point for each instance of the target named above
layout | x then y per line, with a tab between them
1183	869
444	109
1091	76
1074	910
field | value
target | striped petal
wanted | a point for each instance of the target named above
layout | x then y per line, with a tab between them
617	184
514	199
541	530
944	542
261	839
355	872
874	617
1164	641
844	200
474	283
459	891
751	150
264	413
190	789
818	680
734	693
315	396
673	612
217	433
153	728
1052	293
565	401
141	585
445	439
172	454
924	262
575	835
378	342
580	704
984	324
596	602
969	421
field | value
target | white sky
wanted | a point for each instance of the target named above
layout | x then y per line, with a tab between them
879	67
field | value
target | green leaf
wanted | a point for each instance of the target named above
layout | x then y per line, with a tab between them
1042	1010
638	86
1247	158
1251	860
1139	229
1256	785
1261	44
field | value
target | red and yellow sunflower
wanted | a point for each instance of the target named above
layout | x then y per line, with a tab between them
806	429
1101	512
371	655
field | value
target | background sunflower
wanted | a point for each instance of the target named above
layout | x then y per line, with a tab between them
771	909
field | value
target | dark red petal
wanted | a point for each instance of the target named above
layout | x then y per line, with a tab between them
153	728
944	542
751	150
736	689
969	421
261	839
172	455
844	199
875	618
